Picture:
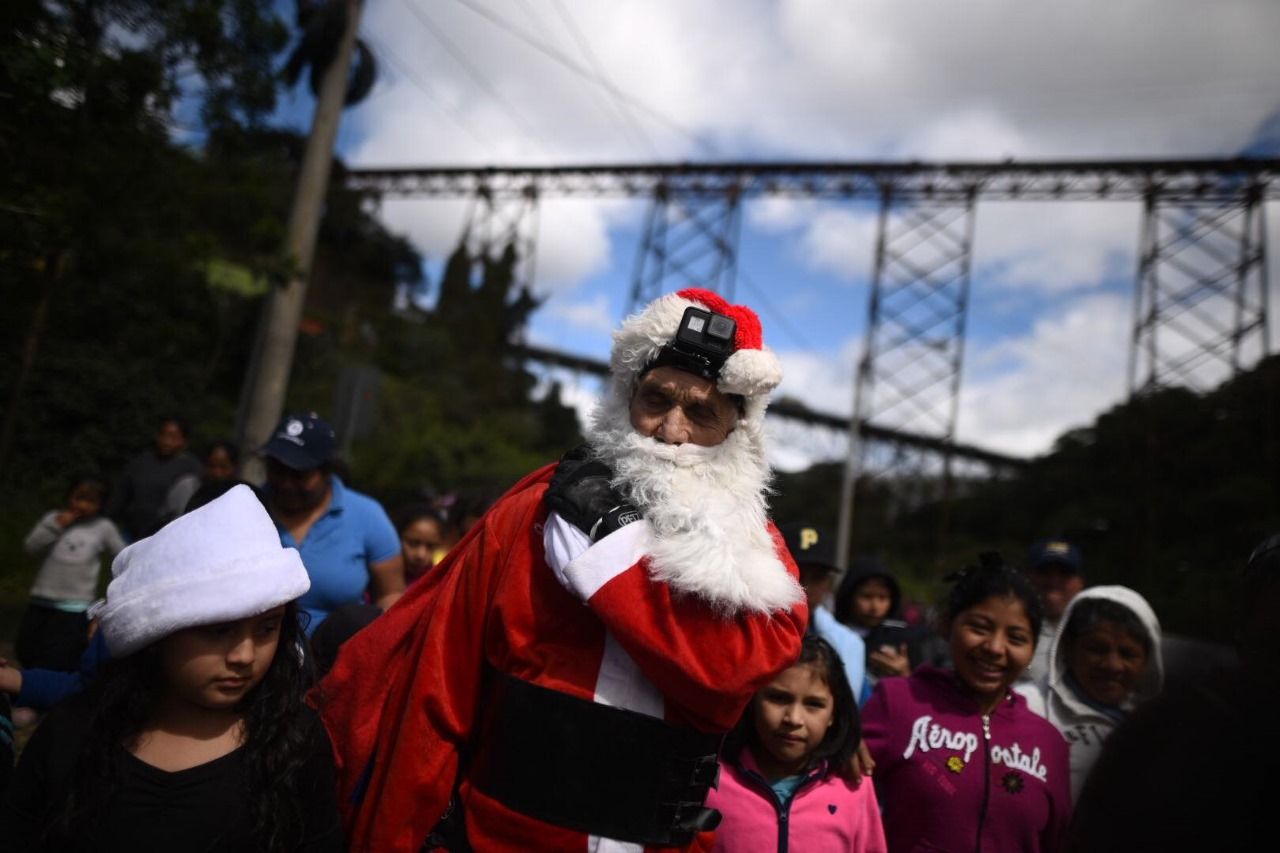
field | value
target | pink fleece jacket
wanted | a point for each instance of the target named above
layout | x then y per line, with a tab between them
950	783
823	814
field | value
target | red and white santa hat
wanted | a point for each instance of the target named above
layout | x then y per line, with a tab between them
752	370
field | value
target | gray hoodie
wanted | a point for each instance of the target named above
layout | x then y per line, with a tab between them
1085	727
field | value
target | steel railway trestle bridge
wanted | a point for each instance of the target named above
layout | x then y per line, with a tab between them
1200	295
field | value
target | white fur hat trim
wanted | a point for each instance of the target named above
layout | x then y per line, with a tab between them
218	563
753	373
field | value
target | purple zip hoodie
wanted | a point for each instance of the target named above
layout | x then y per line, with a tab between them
952	779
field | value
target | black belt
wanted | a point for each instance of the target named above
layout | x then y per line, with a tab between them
593	768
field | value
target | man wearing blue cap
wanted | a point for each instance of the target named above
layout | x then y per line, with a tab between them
1056	570
346	540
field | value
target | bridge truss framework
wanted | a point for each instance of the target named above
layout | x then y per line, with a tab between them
1201	290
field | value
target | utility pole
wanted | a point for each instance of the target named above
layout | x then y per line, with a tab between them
268	378
863	380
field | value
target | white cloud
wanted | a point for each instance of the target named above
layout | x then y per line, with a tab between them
1055	246
1028	390
838	239
433	226
821	380
965	134
829	79
573	241
824	383
929	78
777	214
980	79
1088	78
593	314
841	240
1040	246
793	450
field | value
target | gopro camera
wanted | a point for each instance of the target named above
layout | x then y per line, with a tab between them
703	341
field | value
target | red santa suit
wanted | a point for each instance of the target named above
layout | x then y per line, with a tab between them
621	622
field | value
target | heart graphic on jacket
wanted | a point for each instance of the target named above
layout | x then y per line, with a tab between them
831	807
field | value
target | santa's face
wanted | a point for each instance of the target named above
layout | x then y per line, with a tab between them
676	407
694	465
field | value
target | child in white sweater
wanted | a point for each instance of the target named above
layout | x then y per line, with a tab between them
73	540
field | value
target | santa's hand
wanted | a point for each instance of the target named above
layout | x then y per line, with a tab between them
581	494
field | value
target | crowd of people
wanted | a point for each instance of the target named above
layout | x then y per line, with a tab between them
622	653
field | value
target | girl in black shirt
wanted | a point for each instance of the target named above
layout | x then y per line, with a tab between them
195	736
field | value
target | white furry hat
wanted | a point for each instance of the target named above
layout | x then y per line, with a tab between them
752	370
218	563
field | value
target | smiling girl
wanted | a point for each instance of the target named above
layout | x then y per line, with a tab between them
961	763
781	766
194	736
1103	663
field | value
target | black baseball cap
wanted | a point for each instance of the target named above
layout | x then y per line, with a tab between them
810	544
301	442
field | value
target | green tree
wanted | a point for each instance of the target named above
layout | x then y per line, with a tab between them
1165	493
457	409
106	244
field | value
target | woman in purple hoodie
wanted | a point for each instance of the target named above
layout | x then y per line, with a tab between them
961	763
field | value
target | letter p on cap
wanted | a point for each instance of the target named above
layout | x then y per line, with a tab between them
808	538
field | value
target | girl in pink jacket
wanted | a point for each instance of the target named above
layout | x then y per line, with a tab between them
961	763
783	766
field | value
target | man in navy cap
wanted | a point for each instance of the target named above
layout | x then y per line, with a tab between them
346	540
1056	570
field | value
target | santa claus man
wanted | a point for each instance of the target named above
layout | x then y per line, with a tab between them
562	680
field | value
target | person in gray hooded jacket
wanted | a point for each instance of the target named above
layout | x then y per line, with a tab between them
1103	663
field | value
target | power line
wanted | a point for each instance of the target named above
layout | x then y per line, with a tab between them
579	69
619	106
767	307
475	74
596	95
406	70
537	22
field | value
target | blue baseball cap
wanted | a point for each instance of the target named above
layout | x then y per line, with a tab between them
1055	552
301	442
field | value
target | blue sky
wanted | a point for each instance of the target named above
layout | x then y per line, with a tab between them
808	79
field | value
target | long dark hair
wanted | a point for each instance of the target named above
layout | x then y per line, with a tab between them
841	741
124	695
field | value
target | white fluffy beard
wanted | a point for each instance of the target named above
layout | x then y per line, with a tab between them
706	512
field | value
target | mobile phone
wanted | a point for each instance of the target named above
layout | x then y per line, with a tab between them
890	633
